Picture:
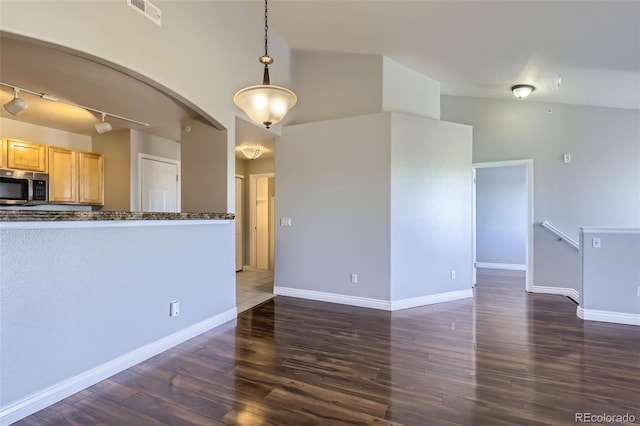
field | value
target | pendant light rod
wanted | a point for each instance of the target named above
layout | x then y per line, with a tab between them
56	99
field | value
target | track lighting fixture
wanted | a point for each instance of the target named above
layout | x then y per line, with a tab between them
103	127
17	104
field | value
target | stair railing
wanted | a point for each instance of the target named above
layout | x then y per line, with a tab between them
561	235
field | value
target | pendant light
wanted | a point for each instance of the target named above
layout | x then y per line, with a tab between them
265	104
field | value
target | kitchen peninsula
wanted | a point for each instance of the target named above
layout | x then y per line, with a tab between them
86	294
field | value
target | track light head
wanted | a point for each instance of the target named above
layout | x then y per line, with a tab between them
17	104
103	126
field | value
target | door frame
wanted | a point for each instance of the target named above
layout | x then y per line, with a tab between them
528	163
143	156
242	219
252	215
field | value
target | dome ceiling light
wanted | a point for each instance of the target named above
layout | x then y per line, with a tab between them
521	91
265	104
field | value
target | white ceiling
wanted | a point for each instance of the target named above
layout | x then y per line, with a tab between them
482	48
474	48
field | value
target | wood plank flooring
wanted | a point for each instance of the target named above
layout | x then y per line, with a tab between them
503	358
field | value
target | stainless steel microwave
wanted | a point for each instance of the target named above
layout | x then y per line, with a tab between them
18	187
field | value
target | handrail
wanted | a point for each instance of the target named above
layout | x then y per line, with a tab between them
561	234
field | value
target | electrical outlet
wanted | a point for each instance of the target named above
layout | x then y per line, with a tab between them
596	243
174	309
638	292
453	275
354	278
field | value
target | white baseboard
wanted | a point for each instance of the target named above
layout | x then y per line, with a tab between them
41	399
507	266
431	299
608	316
342	299
563	291
365	302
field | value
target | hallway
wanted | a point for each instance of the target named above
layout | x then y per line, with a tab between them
253	288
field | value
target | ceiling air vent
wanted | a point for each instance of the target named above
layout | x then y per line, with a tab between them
147	9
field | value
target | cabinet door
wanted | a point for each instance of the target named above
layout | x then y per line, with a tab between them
91	178
63	175
3	153
26	155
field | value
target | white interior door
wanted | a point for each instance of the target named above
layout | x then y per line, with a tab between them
239	260
159	185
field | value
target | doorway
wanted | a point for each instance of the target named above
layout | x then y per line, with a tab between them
158	184
503	216
261	211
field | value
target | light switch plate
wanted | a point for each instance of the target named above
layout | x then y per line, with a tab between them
596	243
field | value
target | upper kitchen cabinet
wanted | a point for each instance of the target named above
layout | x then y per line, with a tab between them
3	153
91	178
23	155
75	177
63	175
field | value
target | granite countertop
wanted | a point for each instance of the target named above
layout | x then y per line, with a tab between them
78	216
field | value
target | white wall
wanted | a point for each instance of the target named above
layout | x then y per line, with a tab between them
405	90
501	215
600	187
332	180
431	196
611	276
85	297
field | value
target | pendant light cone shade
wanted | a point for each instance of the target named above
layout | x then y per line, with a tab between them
521	91
265	104
103	127
16	105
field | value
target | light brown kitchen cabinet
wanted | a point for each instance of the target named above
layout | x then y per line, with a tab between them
3	153
75	177
23	155
63	175
90	178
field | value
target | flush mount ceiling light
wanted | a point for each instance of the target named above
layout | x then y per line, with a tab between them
521	91
103	126
265	104
17	104
252	152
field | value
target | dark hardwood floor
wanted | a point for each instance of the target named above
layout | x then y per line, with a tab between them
503	358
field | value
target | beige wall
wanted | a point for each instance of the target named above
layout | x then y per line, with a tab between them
204	180
44	135
115	147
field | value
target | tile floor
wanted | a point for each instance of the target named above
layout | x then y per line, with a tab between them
253	288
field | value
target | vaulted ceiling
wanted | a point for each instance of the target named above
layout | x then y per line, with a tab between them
482	48
574	52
